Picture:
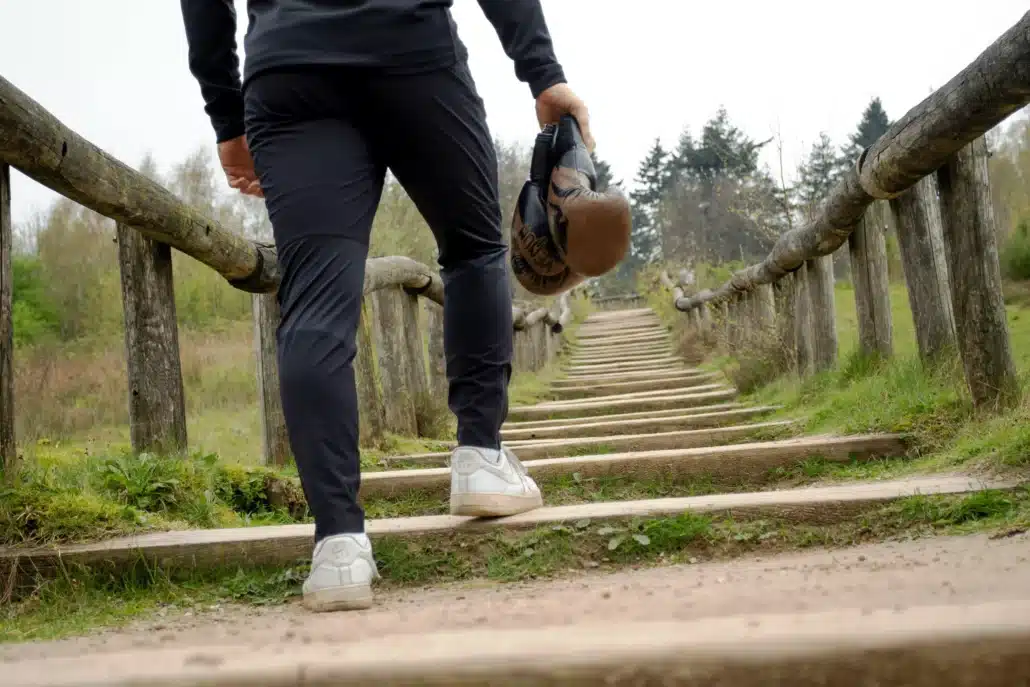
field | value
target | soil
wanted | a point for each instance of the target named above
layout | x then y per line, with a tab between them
944	570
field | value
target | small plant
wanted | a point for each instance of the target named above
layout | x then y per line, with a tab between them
146	482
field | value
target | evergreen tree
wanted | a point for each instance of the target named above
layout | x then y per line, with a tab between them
873	125
819	173
652	182
605	180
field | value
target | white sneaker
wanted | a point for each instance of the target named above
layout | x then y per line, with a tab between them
342	570
489	483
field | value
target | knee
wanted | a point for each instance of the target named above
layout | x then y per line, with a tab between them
313	360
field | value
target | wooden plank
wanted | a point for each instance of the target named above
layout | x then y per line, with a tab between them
615	417
824	312
157	399
629	405
275	438
970	241
743	463
921	241
672	382
946	645
684	388
868	250
8	447
601	377
605	359
283	544
417	385
537	449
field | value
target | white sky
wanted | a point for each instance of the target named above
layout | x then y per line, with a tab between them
115	70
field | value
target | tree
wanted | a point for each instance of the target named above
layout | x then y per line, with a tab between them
605	179
818	174
873	125
653	178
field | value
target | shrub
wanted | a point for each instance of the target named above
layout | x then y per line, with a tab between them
1015	253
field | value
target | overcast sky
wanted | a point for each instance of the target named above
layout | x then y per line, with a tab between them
115	70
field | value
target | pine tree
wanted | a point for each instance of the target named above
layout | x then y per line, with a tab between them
652	182
605	179
874	124
819	173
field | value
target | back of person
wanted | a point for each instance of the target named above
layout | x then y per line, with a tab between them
398	35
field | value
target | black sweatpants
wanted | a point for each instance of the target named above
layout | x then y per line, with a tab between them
322	139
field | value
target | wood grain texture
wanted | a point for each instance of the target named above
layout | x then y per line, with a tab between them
436	363
921	241
371	404
388	306
804	347
157	399
824	312
8	448
971	246
868	251
275	441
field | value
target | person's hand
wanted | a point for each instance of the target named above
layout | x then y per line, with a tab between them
238	165
559	100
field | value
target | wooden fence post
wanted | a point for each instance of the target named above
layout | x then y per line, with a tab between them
8	448
786	311
765	309
275	439
437	361
157	401
868	251
920	237
975	277
803	339
824	312
706	317
371	407
415	362
392	352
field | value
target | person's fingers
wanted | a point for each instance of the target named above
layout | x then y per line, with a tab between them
582	115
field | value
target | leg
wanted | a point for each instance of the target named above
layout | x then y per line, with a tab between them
433	134
322	185
432	130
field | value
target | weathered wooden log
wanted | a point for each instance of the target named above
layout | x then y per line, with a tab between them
8	447
706	317
824	312
923	260
540	333
564	314
786	314
371	404
975	100
868	252
388	306
157	399
971	247
803	339
43	148
275	439
436	364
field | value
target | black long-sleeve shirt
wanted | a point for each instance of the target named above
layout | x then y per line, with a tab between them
393	35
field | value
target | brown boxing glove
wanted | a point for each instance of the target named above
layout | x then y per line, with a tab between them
564	231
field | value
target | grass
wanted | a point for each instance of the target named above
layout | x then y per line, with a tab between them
83	600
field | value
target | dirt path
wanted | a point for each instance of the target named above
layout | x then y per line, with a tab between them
962	570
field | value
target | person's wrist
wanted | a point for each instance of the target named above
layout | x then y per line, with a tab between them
552	76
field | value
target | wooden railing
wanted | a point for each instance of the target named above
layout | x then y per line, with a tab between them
928	174
400	360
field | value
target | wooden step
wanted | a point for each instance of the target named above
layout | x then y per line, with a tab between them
586	334
621	357
537	449
619	315
672	382
985	644
670	363
743	462
605	426
286	544
650	414
632	340
683	388
590	378
594	407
